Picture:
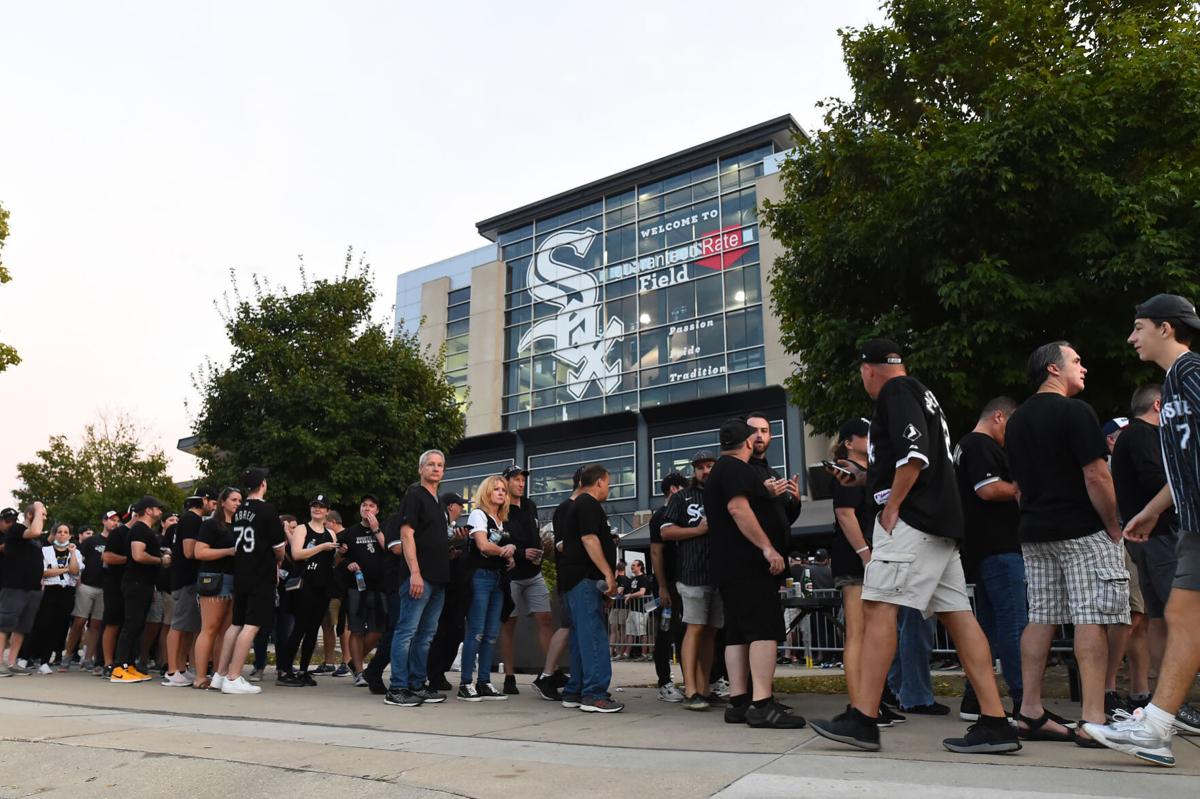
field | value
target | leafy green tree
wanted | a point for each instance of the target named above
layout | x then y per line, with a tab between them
8	355
109	469
328	400
1007	173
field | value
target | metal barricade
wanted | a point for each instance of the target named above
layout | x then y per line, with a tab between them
633	625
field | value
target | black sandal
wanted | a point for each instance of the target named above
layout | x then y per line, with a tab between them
1087	743
1035	731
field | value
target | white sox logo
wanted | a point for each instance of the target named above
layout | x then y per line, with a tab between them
581	339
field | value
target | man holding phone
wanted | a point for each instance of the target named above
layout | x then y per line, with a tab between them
785	490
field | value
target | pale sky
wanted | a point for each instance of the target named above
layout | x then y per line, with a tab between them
147	148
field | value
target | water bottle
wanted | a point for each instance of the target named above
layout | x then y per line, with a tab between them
664	622
360	582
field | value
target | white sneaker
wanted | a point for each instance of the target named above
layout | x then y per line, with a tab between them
1135	734
177	680
217	683
720	688
669	693
45	669
239	686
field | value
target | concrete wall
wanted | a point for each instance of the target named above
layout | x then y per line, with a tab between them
485	375
432	333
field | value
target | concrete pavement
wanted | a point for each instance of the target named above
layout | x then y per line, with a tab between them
64	734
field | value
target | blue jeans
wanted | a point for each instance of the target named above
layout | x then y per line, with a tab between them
415	627
483	624
910	678
591	668
1001	609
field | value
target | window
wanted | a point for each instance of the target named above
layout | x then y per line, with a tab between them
458	331
674	453
551	476
465	480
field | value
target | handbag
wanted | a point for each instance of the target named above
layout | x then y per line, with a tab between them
209	584
293	583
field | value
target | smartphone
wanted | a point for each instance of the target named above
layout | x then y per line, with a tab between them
835	467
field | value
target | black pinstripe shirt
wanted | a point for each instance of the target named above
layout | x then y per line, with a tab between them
1180	427
686	509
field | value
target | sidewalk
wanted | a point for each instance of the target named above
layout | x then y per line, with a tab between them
131	740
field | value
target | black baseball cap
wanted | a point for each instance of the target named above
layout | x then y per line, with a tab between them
703	456
734	433
1170	307
252	478
9	514
450	498
853	427
881	351
204	492
822	554
513	471
320	500
146	503
371	497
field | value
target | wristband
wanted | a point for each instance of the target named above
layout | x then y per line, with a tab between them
864	548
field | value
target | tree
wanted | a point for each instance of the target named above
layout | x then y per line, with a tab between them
326	399
109	469
8	355
1007	173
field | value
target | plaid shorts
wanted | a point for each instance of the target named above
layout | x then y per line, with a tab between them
1077	581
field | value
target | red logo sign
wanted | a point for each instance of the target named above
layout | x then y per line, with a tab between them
724	247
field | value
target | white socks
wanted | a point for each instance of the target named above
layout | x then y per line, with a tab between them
1161	719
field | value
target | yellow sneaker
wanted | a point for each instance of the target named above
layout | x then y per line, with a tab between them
137	675
127	674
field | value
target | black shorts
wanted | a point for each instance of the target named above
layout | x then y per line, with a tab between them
752	611
114	604
365	611
255	607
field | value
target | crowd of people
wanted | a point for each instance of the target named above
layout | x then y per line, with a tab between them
1029	505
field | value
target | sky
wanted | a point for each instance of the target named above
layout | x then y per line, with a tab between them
147	149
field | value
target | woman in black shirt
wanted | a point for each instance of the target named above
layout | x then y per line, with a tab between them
312	547
491	555
215	544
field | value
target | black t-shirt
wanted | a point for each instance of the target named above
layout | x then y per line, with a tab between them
991	526
522	527
496	533
670	556
1049	440
843	561
216	535
432	531
786	506
1138	474
143	573
258	533
92	552
118	544
22	559
686	509
909	425
558	525
184	569
318	569
584	516
636	583
622	587
731	555
363	548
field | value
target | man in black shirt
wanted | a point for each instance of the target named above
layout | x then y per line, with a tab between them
588	557
89	594
993	552
915	562
785	490
137	588
1070	536
22	582
664	560
746	535
421	542
185	616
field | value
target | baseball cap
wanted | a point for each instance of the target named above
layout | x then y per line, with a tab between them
371	497
1169	306
853	427
320	500
9	514
881	351
513	471
252	478
450	498
673	479
204	492
146	503
822	554
702	456
1115	424
110	514
734	432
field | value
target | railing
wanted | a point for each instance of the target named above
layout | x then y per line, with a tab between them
633	626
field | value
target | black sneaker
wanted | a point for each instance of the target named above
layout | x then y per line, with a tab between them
440	683
891	716
488	691
604	704
306	679
969	709
323	669
545	687
1113	702
428	695
342	671
695	702
377	688
736	714
561	678
932	709
1187	720
571	701
402	698
510	685
987	736
288	680
716	701
773	716
850	727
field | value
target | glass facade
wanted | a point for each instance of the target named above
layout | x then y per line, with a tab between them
464	480
551	476
674	453
647	296
458	329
